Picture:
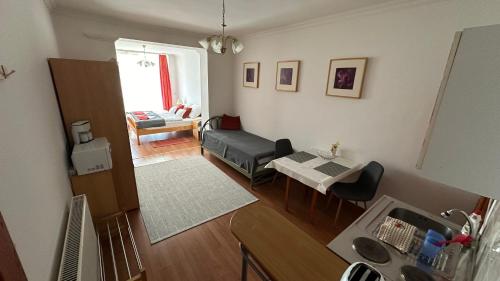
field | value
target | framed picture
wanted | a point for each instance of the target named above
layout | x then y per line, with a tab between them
251	74
345	77
287	75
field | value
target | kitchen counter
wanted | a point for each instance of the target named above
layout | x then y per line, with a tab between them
367	226
282	250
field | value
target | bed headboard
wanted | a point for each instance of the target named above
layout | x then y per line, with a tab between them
211	123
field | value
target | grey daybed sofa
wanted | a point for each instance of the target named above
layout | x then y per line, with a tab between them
245	152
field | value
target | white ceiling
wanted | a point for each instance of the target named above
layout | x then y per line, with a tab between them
202	16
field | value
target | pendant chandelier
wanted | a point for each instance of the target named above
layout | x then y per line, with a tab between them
218	42
144	62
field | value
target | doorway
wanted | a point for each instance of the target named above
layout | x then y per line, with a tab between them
165	95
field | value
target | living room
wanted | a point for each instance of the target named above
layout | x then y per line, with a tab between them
402	52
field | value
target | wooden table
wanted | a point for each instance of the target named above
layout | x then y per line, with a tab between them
278	250
306	174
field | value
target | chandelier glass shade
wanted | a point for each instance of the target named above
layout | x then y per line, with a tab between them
144	62
218	43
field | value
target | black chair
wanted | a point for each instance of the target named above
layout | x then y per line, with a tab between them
282	148
363	189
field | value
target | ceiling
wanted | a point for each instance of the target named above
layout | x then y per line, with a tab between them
202	16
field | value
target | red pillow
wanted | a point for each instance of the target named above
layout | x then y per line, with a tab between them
186	113
230	122
180	106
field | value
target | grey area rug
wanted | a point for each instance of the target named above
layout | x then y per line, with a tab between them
180	194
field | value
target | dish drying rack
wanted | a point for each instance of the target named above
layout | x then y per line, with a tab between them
445	262
118	255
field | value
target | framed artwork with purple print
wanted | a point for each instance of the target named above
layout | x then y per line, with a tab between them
251	74
345	77
287	75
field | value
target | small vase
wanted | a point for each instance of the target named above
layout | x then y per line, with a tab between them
334	152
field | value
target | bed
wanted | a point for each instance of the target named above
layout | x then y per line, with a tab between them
160	122
244	151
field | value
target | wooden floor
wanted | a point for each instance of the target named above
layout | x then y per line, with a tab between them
146	153
209	252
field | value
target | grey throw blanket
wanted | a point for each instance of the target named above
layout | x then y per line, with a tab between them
154	120
240	147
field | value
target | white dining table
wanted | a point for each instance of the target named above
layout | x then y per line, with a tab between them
306	174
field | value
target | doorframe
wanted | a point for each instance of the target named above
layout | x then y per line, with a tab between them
10	265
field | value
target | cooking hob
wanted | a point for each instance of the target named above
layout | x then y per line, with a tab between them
413	273
367	226
371	250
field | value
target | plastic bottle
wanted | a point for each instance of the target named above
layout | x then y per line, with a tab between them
476	220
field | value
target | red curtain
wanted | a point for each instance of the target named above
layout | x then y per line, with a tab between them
166	90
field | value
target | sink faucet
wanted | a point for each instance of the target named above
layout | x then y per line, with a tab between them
472	234
472	229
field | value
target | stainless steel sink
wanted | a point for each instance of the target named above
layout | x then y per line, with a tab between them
367	225
421	222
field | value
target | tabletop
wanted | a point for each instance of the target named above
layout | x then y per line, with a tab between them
305	172
284	251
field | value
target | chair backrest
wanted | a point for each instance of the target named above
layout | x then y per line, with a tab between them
370	177
283	148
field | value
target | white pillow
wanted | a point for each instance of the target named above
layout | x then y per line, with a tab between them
195	111
180	112
172	109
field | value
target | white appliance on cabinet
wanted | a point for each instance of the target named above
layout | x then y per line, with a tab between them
92	157
81	132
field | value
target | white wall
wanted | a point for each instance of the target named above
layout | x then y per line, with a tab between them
70	28
34	187
407	46
220	69
189	77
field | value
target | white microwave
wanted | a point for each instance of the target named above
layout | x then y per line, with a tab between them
92	157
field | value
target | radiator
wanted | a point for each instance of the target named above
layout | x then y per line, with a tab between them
80	257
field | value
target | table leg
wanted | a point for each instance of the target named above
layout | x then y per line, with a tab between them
337	214
244	264
287	191
306	193
313	204
247	261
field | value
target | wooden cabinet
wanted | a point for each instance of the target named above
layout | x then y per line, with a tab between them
91	90
10	266
100	191
461	145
